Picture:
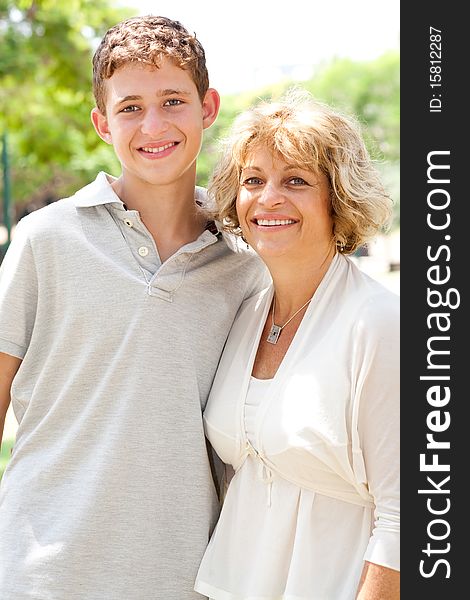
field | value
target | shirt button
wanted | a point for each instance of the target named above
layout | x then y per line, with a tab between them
143	251
128	222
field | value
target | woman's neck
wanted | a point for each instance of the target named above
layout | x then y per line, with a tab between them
296	282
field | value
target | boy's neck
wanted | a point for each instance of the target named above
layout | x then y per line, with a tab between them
169	212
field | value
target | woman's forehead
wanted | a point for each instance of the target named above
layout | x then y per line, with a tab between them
267	153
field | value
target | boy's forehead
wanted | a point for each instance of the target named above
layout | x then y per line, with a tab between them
138	79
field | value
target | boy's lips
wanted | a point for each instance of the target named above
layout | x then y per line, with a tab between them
157	150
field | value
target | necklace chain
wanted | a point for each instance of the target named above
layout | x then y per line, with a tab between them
275	330
289	320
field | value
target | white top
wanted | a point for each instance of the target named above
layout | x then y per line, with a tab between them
109	493
257	388
320	494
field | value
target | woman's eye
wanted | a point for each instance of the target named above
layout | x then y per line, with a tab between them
131	108
297	181
252	181
173	102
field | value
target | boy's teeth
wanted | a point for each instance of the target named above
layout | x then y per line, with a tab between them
159	149
272	222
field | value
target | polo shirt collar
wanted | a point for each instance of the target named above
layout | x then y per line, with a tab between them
100	192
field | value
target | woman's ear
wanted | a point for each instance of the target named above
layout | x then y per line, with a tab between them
210	107
100	123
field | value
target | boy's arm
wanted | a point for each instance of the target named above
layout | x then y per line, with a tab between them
9	365
18	308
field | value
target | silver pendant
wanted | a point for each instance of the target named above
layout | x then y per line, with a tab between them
274	334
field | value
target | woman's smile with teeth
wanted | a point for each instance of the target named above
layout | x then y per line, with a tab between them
273	222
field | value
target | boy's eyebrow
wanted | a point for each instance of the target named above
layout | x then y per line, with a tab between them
170	92
127	98
159	93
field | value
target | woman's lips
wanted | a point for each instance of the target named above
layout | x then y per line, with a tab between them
273	222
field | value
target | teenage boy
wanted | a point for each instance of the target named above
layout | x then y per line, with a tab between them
114	308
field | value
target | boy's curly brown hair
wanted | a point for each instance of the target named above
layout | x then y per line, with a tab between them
147	40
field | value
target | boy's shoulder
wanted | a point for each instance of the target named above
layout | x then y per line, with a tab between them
243	256
56	214
247	266
240	251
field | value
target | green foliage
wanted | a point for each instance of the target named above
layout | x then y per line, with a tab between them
45	99
368	90
45	91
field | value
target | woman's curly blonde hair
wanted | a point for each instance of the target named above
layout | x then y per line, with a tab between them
315	137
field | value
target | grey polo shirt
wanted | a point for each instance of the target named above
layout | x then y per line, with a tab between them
109	493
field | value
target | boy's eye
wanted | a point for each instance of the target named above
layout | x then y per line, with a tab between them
130	108
173	102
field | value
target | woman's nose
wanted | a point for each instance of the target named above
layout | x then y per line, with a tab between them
271	195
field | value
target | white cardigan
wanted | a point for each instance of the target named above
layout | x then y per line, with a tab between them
298	518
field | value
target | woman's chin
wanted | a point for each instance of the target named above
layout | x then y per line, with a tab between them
269	250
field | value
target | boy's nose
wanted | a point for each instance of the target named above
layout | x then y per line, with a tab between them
153	122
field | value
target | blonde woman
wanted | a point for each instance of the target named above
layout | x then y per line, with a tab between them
305	404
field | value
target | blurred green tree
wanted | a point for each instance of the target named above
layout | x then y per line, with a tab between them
45	99
370	90
45	92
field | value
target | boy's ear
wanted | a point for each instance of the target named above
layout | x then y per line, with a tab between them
210	107
100	123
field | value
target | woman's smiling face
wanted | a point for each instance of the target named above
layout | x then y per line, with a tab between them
283	210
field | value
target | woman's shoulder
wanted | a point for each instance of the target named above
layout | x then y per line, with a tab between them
369	294
372	309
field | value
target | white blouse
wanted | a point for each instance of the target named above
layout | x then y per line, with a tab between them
257	388
316	485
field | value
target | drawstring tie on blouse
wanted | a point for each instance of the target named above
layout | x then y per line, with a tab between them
264	471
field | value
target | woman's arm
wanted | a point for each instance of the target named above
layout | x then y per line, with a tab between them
378	583
379	439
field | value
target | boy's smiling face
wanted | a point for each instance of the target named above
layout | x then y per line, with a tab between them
155	119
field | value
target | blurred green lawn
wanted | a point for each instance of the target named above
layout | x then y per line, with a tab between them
5	454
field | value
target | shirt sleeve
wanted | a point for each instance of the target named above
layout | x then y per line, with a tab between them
18	295
379	427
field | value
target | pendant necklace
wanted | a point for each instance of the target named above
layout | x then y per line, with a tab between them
275	330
